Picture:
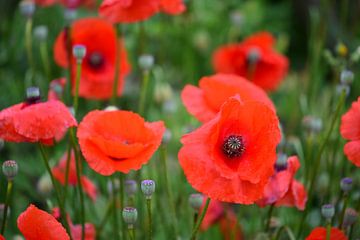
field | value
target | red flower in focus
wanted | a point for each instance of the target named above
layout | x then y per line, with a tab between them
118	140
98	67
254	59
36	224
231	157
205	102
60	170
33	122
283	189
350	130
225	217
319	233
56	89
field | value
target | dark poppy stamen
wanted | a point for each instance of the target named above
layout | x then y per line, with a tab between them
233	146
96	60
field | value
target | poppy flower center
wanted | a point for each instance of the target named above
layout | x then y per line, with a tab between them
253	55
233	146
96	60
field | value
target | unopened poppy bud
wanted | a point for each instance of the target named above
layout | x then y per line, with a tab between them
328	211
281	162
27	8
130	187
70	15
146	61
196	200
346	77
346	184
10	169
111	108
79	52
166	137
341	49
350	217
41	32
129	215
312	124
253	55
148	188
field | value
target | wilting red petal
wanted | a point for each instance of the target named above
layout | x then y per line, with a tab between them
173	7
319	233
36	224
350	122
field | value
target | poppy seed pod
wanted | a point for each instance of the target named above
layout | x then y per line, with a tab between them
351	217
33	94
328	211
281	162
129	215
346	184
196	200
27	8
346	77
146	62
148	188
41	32
79	52
10	169
130	187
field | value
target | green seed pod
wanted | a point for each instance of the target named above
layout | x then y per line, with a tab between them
196	200
10	169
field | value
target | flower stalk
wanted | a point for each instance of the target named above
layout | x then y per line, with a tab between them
200	219
7	202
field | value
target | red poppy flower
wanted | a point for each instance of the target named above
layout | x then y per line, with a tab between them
283	189
254	59
319	233
45	3
72	4
118	140
231	157
128	11
173	7
2	237
56	89
98	67
205	102
60	170
36	224
350	130
33	122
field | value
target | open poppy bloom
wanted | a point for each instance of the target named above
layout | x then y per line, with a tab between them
130	11
205	102
282	189
231	157
255	59
36	224
98	66
118	140
319	233
350	130
59	174
35	121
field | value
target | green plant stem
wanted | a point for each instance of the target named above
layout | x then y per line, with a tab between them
319	154
115	215
57	193
77	85
117	64
67	170
45	59
268	221
148	206
143	93
110	207
7	202
131	232
122	202
78	177
280	230
328	230
69	59
346	201
200	219
28	45
163	159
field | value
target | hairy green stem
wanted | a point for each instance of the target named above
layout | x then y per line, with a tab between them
115	215
122	202
328	230
268	221
7	202
148	206
200	219
342	215
77	86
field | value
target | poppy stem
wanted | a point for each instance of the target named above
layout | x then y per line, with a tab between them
67	169
280	230
144	87
346	201
57	193
200	219
268	221
45	59
117	73
7	202
109	208
115	216
122	202
148	205
28	45
77	85
328	230
131	232
69	59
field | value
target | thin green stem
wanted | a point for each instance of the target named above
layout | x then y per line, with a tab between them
110	207
122	202
143	93
115	215
328	230
77	86
200	219
268	221
28	45
148	205
117	64
67	170
69	59
131	233
7	202
346	201
280	230
57	193
45	59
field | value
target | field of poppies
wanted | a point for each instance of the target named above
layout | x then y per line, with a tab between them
179	119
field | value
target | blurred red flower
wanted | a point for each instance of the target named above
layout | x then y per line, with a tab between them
98	67
350	130
33	122
118	140
36	224
60	170
56	89
231	157
205	102
130	11
319	233
71	4
255	59
283	190
2	237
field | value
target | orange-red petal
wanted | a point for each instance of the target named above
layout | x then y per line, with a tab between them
319	233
